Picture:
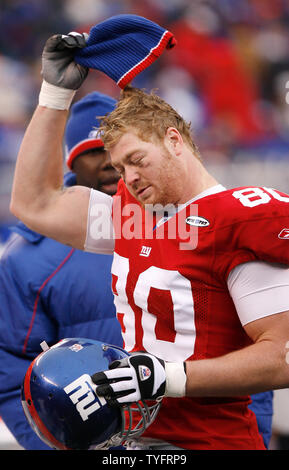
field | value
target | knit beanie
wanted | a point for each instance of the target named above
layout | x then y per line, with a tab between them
83	123
123	46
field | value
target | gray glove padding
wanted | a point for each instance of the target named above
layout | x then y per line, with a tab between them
58	66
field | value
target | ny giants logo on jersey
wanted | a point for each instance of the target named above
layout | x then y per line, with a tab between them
284	234
145	251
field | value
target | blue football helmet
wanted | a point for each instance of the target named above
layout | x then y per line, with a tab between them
61	404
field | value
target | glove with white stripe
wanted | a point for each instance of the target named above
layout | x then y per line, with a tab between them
62	76
140	376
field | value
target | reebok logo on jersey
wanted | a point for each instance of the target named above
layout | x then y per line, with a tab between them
144	373
197	221
284	234
145	251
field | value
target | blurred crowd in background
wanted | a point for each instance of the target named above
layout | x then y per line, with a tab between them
228	76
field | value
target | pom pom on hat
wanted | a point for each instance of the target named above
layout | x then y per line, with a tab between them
123	46
83	122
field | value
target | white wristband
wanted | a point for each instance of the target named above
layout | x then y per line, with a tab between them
175	379
55	97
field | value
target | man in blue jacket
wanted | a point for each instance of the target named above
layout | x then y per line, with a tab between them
49	291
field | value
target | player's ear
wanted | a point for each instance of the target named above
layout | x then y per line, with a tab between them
174	140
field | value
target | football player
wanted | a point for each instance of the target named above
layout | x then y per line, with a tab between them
200	273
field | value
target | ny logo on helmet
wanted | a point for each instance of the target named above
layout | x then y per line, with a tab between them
82	395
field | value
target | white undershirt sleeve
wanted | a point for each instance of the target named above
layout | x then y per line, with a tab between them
99	232
259	289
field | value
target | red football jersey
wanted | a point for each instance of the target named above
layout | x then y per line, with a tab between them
171	296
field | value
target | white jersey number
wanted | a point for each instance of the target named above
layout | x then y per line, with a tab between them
252	197
182	313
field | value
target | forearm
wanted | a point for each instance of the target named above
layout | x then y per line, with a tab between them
39	167
256	368
264	365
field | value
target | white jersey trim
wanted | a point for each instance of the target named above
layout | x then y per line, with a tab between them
259	289
99	231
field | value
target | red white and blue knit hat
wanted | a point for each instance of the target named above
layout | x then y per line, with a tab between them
83	122
123	46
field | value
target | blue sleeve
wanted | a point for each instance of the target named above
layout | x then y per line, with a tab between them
48	291
262	406
17	297
10	403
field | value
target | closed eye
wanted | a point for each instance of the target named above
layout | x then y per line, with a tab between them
138	161
130	160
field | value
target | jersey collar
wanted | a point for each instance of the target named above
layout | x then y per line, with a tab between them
218	188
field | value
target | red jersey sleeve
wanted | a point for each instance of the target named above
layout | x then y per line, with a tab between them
253	225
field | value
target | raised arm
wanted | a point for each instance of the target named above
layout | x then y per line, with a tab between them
38	197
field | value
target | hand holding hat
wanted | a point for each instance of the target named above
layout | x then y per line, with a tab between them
123	46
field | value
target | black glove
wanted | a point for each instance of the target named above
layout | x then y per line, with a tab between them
140	376
58	66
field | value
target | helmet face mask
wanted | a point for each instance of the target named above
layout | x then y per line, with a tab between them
62	407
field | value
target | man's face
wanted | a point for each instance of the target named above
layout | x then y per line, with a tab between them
152	174
94	170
